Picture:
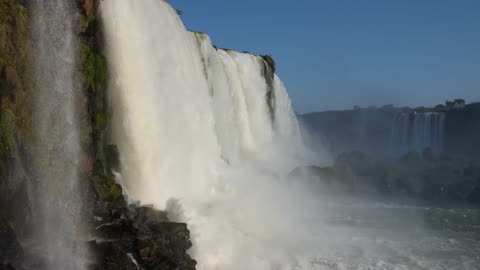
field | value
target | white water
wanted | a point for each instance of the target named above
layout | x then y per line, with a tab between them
196	137
57	120
417	131
194	131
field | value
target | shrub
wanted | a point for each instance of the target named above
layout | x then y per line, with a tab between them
94	68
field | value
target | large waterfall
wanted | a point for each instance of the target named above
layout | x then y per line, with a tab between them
418	131
208	134
56	129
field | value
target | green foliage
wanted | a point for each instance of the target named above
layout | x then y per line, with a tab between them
94	68
3	11
101	121
114	192
13	51
111	190
88	19
21	15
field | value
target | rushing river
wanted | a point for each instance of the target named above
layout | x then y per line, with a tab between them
402	237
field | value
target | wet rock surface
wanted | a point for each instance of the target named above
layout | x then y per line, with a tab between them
140	237
11	253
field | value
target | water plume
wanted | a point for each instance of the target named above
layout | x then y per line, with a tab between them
56	120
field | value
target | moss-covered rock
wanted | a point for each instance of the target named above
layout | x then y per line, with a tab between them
14	76
94	68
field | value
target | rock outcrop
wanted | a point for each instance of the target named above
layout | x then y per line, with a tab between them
377	132
140	237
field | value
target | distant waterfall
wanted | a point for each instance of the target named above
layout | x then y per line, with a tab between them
417	131
208	134
56	128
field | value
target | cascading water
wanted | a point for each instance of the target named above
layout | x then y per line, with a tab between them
57	123
417	131
193	125
210	136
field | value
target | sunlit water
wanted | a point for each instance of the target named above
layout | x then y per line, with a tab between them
199	137
402	237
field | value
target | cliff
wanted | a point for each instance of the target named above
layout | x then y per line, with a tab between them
379	131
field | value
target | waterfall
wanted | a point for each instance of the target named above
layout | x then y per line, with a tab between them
416	131
56	129
209	135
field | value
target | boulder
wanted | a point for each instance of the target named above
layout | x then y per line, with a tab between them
140	237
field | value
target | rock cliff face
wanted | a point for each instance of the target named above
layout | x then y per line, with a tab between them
15	208
394	132
120	236
366	130
462	130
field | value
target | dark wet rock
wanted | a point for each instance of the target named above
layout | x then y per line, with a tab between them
112	156
11	253
140	237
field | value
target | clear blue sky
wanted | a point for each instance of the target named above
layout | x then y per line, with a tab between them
333	54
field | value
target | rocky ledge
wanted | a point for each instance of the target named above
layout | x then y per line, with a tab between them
140	237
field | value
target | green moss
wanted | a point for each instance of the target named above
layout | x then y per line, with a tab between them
111	190
101	121
13	51
94	68
115	192
88	19
3	11
21	16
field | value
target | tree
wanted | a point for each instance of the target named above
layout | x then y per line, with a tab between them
459	101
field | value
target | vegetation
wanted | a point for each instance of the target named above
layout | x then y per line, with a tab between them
4	6
94	68
110	190
14	76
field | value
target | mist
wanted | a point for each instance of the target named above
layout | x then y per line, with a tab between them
130	142
251	191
